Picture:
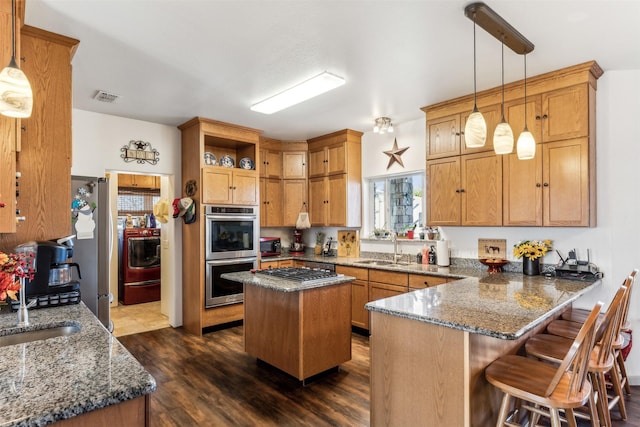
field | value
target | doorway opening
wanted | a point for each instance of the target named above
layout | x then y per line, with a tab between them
138	305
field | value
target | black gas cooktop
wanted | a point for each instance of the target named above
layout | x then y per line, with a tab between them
301	275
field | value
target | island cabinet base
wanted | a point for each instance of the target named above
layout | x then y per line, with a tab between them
133	413
302	333
426	374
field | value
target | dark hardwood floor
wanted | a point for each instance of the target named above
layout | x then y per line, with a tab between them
211	381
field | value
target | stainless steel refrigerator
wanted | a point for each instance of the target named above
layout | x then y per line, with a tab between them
90	222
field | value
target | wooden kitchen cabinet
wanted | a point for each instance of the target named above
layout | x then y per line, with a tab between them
556	188
294	165
384	284
445	135
522	190
214	184
229	186
566	113
271	202
294	196
567	188
465	190
138	181
38	146
335	179
422	281
271	163
359	294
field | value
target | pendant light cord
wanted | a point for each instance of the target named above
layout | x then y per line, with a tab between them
503	78
474	62
525	93
13	29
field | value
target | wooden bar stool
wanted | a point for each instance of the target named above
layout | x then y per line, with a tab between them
540	385
578	315
553	348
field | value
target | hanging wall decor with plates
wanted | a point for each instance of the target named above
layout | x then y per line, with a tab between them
209	159
227	161
246	163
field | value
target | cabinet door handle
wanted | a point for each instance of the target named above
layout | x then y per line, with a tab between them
538	185
546	184
462	190
426	283
457	190
544	116
538	117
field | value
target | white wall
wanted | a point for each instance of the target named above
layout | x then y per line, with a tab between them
613	243
97	139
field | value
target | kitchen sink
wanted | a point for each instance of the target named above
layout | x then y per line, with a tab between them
381	262
38	335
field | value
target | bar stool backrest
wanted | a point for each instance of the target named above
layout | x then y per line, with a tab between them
576	362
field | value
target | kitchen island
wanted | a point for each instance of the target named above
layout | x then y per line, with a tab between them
429	347
84	378
303	329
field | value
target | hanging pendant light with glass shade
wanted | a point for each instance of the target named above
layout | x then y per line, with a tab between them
475	129
503	135
16	97
526	147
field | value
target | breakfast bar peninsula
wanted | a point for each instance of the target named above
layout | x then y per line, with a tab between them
301	326
429	348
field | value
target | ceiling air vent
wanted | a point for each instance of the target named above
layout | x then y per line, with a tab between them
103	96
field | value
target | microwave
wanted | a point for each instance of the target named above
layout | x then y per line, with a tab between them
270	246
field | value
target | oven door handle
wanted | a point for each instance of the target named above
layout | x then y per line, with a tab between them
232	217
231	261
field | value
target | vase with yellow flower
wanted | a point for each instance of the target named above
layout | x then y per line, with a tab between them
14	269
531	251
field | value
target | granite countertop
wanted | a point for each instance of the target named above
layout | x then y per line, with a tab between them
502	305
50	380
282	285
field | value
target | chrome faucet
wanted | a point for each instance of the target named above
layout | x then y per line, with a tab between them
394	238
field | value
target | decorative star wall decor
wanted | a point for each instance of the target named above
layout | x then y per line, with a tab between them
395	153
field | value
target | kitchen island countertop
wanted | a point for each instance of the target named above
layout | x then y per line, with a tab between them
282	285
55	379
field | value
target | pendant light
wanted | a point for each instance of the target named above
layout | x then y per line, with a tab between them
475	129
526	147
16	97
503	135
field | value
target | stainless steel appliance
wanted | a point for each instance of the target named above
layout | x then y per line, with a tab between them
92	250
219	291
270	246
231	245
231	232
301	275
140	265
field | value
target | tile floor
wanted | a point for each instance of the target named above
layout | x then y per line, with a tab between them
136	318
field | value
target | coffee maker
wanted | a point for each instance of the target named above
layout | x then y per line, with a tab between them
53	282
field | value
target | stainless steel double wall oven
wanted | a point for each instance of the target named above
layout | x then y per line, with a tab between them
231	244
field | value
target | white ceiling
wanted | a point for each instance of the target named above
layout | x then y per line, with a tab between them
171	60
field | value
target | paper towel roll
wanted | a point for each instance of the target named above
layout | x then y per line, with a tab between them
442	253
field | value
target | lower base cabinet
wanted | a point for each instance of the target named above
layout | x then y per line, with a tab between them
359	294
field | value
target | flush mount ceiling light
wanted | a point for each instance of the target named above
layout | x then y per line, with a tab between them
16	97
383	125
475	129
308	89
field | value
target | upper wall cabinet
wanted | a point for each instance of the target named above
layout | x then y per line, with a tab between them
335	179
556	188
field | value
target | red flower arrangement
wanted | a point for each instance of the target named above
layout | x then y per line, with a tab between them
14	267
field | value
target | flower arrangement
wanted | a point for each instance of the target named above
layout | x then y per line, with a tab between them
532	249
14	267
